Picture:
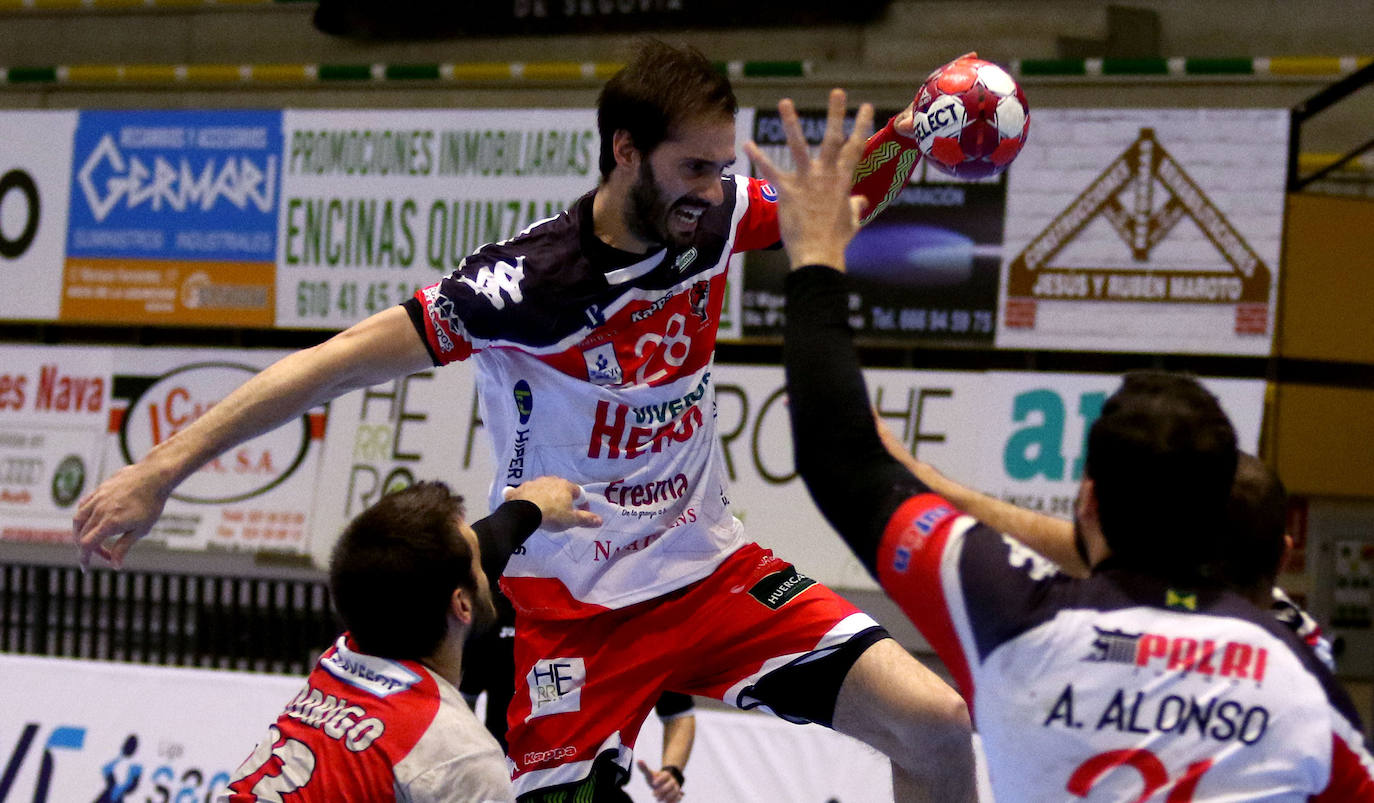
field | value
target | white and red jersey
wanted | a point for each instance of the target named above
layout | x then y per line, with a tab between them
1119	687
596	365
374	729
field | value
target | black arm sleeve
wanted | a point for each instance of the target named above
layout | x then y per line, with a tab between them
417	319
856	484
671	704
501	533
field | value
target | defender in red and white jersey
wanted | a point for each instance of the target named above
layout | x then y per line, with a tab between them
1147	681
593	334
409	579
371	728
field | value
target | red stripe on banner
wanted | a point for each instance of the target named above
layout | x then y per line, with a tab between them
317	425
117	418
1252	319
1020	313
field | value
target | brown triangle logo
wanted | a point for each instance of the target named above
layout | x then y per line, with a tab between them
1127	195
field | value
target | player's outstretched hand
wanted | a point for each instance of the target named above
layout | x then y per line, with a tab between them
817	215
561	501
663	784
124	507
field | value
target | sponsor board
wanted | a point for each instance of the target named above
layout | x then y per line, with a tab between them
54	403
141	745
256	496
137	745
426	426
1018	436
923	272
173	217
1037	433
1146	230
35	168
377	204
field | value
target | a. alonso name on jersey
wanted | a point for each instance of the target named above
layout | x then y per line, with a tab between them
1130	711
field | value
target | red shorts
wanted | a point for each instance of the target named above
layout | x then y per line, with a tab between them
583	687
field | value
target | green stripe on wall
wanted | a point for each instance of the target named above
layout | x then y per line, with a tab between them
345	72
32	75
412	72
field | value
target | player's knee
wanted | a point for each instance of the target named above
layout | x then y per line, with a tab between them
940	721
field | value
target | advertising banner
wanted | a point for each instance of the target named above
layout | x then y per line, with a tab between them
54	403
924	272
1148	230
1034	430
35	168
426	426
377	204
258	495
174	735
1017	436
173	218
164	735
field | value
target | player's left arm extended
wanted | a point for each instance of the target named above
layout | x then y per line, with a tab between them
889	158
855	482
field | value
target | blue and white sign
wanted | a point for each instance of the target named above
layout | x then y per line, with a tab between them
198	186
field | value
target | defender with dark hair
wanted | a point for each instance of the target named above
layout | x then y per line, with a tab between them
380	717
1146	680
1161	437
395	567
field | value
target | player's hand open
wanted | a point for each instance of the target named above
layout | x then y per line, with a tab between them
817	215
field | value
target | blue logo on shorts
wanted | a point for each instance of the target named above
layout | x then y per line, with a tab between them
524	401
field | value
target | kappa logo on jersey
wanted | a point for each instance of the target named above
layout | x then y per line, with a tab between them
1231	659
555	686
697	297
780	588
603	367
659	304
524	401
494	280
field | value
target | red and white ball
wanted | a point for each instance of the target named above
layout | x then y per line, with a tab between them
971	118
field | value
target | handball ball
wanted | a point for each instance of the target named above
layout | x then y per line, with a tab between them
971	118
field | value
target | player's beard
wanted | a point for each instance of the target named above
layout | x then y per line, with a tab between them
650	211
483	611
1080	542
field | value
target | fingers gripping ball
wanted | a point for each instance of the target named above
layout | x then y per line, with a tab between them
971	118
